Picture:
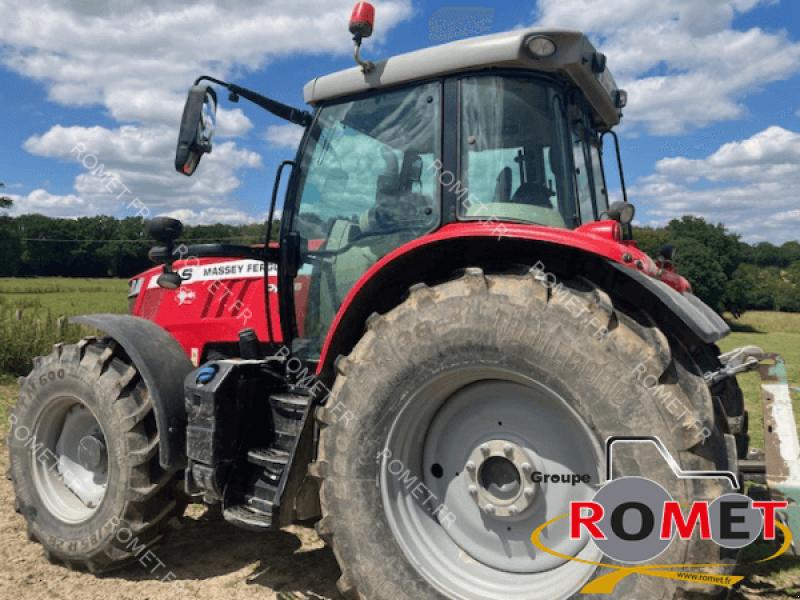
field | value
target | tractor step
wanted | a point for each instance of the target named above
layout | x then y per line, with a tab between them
258	505
268	458
248	517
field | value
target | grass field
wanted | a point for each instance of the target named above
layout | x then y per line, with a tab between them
65	296
773	332
30	310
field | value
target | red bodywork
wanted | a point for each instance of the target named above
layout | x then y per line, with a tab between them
221	296
218	298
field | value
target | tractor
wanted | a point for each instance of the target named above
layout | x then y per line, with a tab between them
452	321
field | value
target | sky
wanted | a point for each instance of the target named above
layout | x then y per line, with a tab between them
712	126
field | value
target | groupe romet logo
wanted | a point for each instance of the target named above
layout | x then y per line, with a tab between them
632	520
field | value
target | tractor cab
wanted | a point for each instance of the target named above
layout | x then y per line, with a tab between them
500	129
443	136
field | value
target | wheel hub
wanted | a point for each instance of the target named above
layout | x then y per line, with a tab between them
475	436
73	483
92	452
499	479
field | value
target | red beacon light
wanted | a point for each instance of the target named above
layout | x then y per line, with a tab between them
361	23
362	20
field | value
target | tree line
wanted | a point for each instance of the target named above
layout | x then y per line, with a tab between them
102	246
726	273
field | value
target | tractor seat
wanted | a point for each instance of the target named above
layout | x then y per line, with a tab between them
534	194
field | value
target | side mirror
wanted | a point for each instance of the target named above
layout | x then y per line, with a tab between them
197	128
164	230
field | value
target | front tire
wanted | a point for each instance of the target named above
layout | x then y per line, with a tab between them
84	458
463	390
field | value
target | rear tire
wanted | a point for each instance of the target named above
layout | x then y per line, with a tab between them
84	458
485	359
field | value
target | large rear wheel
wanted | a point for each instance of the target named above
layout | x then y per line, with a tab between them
84	458
459	414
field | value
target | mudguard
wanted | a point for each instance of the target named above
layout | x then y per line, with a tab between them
432	258
163	365
693	312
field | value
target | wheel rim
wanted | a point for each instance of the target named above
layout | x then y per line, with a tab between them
463	453
70	461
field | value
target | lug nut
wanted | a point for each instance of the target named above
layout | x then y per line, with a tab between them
473	491
509	450
470	466
528	494
489	508
484	449
513	511
527	468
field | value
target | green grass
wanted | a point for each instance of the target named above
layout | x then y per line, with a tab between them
30	310
772	332
65	297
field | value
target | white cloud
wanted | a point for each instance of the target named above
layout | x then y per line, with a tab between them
131	168
131	56
682	63
771	155
283	136
137	59
43	202
752	186
211	216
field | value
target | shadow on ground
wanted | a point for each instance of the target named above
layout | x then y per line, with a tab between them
742	327
288	562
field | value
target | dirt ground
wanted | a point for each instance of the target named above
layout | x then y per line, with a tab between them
212	560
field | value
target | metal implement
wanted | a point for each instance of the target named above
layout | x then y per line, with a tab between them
740	360
781	444
779	467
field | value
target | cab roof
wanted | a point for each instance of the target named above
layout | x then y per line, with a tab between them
573	60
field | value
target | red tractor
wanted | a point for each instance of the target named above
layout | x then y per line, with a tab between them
452	321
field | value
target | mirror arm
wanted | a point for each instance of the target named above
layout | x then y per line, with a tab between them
293	115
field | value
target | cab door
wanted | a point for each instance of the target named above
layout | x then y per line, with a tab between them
365	186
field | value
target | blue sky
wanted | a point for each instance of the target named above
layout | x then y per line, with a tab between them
712	127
